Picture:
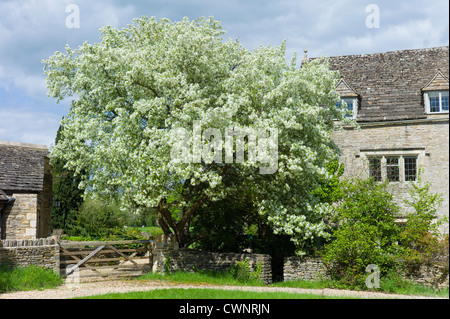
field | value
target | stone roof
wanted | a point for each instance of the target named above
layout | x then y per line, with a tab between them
22	166
390	85
3	197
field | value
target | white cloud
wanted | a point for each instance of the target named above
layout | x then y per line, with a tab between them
410	35
32	30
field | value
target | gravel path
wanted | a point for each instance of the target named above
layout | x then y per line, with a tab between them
121	286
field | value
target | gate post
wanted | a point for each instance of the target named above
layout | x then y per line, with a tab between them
164	248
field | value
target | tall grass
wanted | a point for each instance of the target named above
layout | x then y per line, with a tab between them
27	278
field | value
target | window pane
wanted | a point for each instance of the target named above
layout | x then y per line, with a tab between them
444	100
392	169
375	168
434	101
410	168
349	107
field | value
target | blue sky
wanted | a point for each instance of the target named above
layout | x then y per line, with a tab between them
32	30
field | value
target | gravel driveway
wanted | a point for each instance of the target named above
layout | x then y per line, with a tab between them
121	286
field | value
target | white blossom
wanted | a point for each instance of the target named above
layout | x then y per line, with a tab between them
139	83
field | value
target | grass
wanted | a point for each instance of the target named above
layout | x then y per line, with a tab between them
152	230
388	285
33	277
179	293
201	277
27	278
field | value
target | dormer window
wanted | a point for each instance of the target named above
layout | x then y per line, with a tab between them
349	97
436	101
350	105
435	94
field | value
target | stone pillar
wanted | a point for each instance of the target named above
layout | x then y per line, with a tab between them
165	248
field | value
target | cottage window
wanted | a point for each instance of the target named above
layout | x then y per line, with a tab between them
436	101
351	106
393	168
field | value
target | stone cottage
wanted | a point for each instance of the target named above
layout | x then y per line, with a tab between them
401	101
25	191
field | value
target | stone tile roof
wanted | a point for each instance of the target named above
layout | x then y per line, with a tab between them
22	166
389	85
3	197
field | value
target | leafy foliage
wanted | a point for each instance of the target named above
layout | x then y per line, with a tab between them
97	220
66	192
366	231
138	85
233	224
244	272
421	240
329	189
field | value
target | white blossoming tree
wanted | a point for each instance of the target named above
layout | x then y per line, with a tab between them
138	85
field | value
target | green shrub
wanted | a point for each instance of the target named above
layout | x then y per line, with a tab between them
243	272
95	218
420	239
366	232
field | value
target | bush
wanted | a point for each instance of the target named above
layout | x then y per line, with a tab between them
242	272
232	225
95	219
420	238
366	232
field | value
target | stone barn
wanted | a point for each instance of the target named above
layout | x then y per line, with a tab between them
25	191
401	101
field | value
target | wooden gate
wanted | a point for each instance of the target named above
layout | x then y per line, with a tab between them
105	258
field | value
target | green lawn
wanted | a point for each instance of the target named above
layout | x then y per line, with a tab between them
199	293
30	278
153	231
199	277
225	278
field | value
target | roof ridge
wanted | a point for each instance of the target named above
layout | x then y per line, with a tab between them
27	145
393	51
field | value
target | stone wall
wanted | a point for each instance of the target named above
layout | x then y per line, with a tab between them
427	139
430	275
21	220
43	252
299	268
166	254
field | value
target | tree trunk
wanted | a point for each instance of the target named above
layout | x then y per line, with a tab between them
179	229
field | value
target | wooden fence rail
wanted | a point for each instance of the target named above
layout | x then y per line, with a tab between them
108	256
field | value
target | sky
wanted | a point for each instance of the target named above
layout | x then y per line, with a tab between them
32	30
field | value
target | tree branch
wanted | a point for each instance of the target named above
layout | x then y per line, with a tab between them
194	239
146	86
188	214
